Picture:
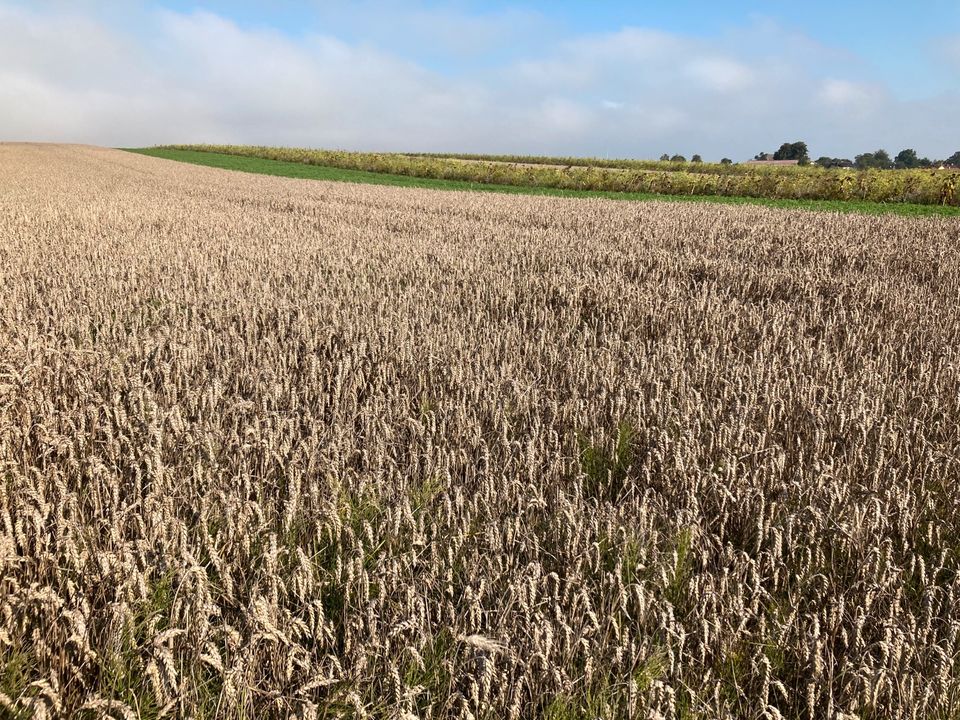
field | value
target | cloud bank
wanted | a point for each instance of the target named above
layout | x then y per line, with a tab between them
71	75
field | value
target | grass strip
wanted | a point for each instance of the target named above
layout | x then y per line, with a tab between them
318	172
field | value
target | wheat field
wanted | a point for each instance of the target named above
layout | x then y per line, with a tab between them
274	448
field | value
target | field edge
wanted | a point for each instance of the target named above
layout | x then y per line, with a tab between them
303	171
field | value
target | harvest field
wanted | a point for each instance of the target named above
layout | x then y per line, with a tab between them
289	448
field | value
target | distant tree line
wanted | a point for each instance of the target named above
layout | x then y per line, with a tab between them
905	160
878	159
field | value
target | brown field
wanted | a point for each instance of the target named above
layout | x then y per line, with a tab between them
281	448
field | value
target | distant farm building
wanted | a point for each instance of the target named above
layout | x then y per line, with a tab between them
768	160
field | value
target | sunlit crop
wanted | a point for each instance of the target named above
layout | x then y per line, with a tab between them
279	448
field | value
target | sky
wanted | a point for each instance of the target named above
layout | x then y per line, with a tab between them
607	79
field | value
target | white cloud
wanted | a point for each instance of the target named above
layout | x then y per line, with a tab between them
949	51
721	74
419	28
843	93
554	73
629	45
66	75
204	78
562	116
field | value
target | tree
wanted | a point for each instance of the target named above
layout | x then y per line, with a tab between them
678	158
793	151
906	159
664	158
696	158
879	159
953	159
726	161
762	156
829	162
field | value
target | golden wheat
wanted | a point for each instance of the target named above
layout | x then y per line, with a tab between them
279	448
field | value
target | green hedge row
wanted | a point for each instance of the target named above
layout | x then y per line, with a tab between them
625	164
927	187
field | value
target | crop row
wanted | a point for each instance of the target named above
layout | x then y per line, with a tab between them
705	168
282	449
925	187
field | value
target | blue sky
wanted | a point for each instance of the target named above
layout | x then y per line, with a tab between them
894	39
602	78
